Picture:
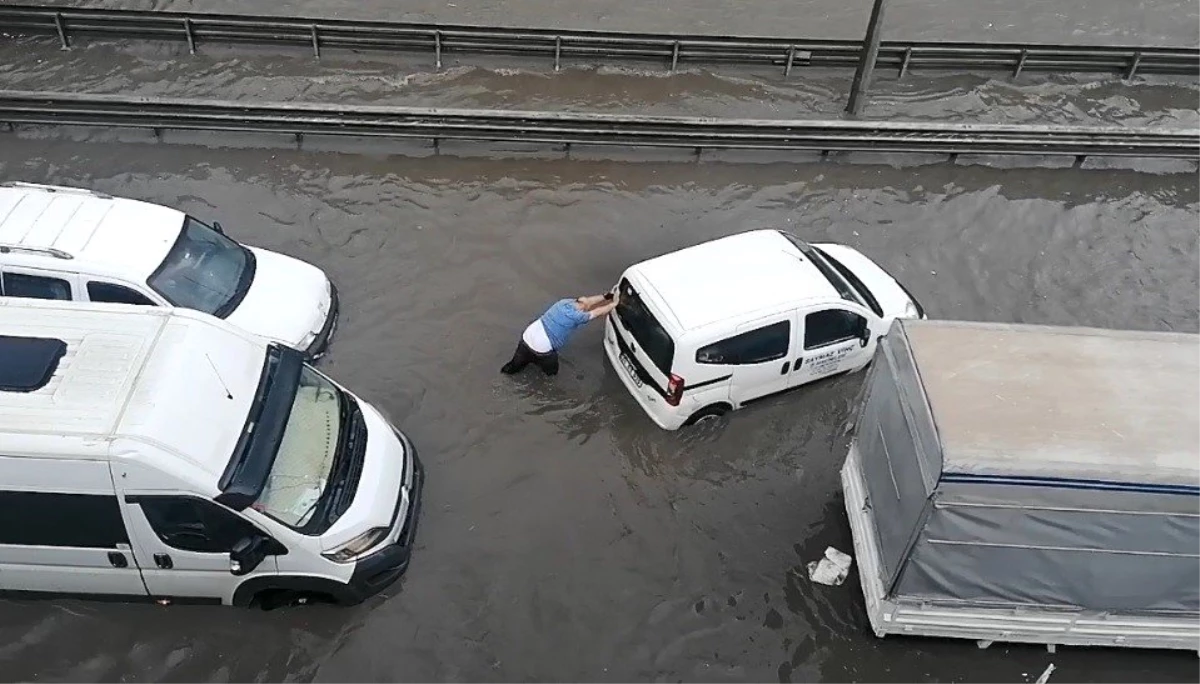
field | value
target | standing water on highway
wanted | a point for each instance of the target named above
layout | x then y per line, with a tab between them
564	536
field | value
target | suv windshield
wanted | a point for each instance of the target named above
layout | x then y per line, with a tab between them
204	270
306	452
645	328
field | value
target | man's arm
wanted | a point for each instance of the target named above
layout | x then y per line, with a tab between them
603	310
591	301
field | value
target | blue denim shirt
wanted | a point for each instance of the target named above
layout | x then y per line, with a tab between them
561	321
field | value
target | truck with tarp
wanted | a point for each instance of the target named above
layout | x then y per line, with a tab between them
1022	483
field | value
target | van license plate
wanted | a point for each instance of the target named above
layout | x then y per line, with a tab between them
632	371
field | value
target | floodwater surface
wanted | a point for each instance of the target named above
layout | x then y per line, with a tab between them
1086	22
564	536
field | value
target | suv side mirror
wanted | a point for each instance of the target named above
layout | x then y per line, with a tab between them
247	554
217	227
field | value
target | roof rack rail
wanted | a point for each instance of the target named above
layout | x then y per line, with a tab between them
55	188
52	251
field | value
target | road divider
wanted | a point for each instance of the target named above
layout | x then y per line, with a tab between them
572	128
604	47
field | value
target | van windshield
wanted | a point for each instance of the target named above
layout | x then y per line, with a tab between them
204	270
849	287
302	449
645	328
306	452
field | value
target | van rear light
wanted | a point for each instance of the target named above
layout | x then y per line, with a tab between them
674	390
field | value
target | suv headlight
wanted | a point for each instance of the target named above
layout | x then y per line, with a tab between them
356	546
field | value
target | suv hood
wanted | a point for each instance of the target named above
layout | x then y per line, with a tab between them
288	300
893	298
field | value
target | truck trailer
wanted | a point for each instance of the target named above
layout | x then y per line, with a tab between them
1037	484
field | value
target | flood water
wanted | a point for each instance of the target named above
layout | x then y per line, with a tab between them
565	537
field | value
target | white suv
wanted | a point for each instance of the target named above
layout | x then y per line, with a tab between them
717	326
73	244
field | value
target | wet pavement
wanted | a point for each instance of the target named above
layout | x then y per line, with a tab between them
564	536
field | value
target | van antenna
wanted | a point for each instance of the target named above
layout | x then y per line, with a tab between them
228	394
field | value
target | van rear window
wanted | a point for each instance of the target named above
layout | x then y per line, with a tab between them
645	328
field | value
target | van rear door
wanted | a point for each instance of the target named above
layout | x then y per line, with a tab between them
647	349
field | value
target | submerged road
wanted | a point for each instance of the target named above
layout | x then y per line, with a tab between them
564	536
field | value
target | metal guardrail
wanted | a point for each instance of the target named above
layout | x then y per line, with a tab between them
567	128
562	44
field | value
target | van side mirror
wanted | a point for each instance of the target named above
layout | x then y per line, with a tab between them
248	553
217	227
864	333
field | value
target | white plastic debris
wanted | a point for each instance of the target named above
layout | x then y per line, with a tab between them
832	569
1046	674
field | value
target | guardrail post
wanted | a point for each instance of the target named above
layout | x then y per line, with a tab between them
907	58
866	65
437	47
557	52
675	56
62	31
437	146
1137	60
316	43
1021	62
787	68
191	39
1078	161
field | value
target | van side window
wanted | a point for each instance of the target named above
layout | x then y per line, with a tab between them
768	343
81	521
35	287
115	294
192	524
831	326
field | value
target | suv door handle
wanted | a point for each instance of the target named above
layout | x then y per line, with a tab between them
163	561
117	559
784	370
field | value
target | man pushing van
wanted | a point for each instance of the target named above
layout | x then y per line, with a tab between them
543	338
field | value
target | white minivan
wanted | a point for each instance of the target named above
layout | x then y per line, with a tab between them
720	325
73	244
162	453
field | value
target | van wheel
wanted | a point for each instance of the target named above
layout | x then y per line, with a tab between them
708	413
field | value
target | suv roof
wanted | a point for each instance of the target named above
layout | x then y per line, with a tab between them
731	278
51	226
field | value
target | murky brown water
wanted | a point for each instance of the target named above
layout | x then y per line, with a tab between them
1113	22
564	536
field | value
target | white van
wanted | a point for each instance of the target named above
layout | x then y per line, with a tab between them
714	327
72	244
162	453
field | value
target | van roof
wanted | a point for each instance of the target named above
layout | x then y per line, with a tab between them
175	378
732	277
91	229
1079	403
